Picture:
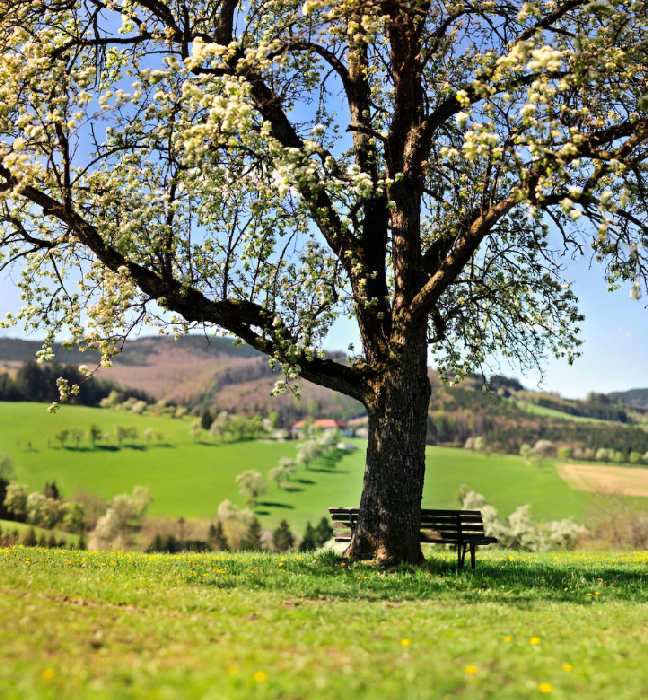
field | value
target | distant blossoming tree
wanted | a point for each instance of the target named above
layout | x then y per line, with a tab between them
263	166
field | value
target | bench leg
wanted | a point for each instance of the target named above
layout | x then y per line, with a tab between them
461	555
472	555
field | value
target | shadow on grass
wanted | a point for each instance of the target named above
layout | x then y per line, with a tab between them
293	489
275	504
304	481
522	583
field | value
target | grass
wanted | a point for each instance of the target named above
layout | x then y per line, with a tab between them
190	480
109	625
530	407
8	526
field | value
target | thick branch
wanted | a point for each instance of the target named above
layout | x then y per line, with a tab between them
238	317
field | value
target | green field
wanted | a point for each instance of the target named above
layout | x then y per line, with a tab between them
9	526
121	626
190	480
535	409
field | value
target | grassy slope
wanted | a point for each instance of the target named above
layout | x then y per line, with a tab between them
8	526
304	627
537	410
190	480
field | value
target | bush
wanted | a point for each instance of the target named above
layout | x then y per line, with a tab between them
565	452
29	538
251	541
217	539
43	511
121	521
518	531
282	538
316	537
15	501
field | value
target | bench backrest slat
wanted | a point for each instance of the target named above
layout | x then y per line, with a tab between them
436	524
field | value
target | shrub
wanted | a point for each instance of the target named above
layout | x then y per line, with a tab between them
235	522
73	517
604	455
518	531
121	521
29	538
15	501
251	541
43	511
216	538
316	537
565	452
51	490
309	540
282	538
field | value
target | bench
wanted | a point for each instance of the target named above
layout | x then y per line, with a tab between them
463	529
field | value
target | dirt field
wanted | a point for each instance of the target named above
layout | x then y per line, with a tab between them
623	481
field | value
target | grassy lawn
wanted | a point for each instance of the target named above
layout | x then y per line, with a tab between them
105	625
188	479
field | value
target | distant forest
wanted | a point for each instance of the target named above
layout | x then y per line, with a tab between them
34	382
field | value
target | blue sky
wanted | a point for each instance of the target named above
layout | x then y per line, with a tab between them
615	332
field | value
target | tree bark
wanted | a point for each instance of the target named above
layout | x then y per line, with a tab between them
390	506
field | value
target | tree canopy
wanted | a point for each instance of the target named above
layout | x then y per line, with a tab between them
263	166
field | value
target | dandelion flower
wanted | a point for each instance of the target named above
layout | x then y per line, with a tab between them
534	641
470	670
545	687
48	674
260	677
567	668
406	643
507	638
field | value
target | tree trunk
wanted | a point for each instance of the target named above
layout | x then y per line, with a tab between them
390	507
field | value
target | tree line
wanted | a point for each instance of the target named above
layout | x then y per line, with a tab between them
37	382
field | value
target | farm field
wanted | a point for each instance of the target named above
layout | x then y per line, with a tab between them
114	625
189	479
606	478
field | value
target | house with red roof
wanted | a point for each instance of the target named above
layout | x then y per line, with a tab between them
320	425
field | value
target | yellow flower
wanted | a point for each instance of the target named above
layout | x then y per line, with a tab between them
48	674
507	638
545	687
406	643
470	670
567	668
534	641
260	677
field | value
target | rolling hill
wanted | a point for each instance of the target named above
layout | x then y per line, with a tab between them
216	373
190	479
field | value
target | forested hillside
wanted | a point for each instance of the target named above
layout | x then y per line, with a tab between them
217	374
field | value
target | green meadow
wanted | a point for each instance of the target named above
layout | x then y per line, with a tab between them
228	626
190	480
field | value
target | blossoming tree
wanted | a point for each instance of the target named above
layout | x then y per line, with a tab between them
263	166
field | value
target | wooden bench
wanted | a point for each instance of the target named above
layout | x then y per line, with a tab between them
464	529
